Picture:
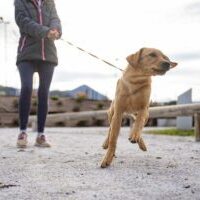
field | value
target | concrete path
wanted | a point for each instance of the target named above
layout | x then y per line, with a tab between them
170	169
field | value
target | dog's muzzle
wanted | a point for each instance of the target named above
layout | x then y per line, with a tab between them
164	66
162	69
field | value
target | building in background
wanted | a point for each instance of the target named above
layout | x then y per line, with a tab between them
88	91
9	91
85	90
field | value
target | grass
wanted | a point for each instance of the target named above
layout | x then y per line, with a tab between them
174	132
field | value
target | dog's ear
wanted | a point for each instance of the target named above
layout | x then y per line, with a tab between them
173	64
131	59
134	59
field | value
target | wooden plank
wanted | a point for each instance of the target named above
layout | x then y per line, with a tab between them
9	119
174	110
154	112
197	126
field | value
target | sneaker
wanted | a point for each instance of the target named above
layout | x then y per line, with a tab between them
22	140
41	141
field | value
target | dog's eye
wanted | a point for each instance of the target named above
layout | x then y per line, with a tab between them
153	55
165	57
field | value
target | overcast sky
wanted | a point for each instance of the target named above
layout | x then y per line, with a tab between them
113	29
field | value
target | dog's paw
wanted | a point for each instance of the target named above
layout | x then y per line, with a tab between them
142	145
134	139
104	164
105	145
140	142
107	160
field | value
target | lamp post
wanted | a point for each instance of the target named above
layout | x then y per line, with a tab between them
5	24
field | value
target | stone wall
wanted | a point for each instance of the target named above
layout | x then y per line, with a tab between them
9	109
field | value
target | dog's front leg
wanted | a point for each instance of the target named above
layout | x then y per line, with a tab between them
110	115
135	136
113	136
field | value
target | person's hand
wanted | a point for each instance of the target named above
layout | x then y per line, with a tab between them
53	34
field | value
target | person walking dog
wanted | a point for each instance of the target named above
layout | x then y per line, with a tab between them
39	26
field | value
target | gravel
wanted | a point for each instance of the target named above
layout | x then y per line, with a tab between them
71	168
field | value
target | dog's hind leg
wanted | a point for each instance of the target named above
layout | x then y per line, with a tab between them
140	121
113	136
110	115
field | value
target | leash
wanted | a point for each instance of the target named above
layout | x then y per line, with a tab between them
91	54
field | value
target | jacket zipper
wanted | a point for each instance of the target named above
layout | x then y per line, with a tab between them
23	43
39	9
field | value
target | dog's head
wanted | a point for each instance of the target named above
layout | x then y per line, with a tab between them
150	61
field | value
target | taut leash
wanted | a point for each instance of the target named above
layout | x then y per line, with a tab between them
91	54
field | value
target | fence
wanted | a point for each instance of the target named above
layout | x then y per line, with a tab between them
154	112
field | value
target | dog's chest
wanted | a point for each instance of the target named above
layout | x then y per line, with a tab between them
137	99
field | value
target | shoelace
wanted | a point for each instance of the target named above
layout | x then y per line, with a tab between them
22	136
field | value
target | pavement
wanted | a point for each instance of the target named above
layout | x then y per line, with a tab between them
169	170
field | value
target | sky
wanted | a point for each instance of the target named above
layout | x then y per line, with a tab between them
113	29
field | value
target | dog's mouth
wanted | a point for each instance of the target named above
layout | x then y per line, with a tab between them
159	71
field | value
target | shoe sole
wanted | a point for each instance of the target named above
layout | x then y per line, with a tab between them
40	145
21	144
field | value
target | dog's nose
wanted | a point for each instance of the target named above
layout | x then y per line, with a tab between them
165	66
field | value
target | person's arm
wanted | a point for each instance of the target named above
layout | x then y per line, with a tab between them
55	23
26	24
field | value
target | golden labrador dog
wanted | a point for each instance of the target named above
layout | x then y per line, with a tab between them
132	96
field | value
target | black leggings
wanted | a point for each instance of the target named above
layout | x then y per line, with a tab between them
26	71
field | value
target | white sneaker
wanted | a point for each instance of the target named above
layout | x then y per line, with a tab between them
41	141
22	140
